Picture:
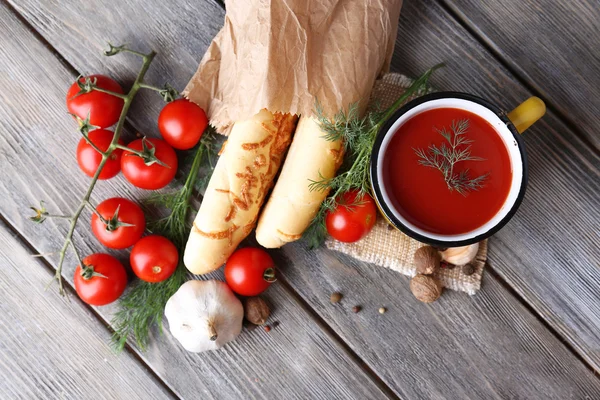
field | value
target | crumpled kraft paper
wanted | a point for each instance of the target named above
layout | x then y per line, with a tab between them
284	54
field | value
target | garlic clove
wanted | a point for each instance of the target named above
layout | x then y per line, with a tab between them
204	315
460	255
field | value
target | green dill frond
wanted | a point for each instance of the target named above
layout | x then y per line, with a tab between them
358	136
445	157
143	305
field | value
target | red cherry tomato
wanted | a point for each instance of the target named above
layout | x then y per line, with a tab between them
104	109
89	159
181	123
350	224
249	271
118	237
102	279
153	176
154	258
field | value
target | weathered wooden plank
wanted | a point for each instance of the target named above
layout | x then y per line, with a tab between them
485	346
553	45
548	253
50	348
295	360
433	36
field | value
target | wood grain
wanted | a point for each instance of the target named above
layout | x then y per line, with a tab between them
549	251
295	360
553	45
50	348
484	346
559	160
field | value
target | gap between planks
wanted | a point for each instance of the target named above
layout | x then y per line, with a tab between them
544	323
495	51
327	329
70	291
128	126
492	49
464	22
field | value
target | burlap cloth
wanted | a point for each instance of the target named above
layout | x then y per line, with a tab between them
390	248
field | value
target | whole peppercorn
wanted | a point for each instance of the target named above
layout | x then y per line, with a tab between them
468	269
426	288
356	309
427	260
382	310
256	310
267	328
335	297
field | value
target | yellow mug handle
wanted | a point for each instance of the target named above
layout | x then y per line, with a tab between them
527	113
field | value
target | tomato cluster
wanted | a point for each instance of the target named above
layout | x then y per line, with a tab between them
181	124
119	223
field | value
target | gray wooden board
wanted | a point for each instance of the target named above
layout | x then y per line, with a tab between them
296	360
486	346
433	37
50	348
546	252
549	251
554	45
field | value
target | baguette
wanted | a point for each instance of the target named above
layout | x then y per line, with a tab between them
292	205
244	173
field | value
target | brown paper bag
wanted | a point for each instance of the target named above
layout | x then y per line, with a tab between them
284	54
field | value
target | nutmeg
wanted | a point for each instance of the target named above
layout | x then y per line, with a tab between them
427	260
256	310
425	288
460	255
468	269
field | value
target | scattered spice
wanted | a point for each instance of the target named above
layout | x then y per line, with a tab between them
468	269
390	227
267	328
382	310
427	260
256	310
275	324
356	309
335	297
426	288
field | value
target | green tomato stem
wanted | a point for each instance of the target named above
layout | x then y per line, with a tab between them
127	100
119	95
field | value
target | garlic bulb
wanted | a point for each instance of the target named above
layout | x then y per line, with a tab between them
460	255
204	315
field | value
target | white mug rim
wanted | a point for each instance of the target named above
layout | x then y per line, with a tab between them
502	126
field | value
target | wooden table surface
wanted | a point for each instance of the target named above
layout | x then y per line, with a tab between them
532	332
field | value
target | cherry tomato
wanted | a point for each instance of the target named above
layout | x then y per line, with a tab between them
181	123
89	159
154	176
114	235
104	109
102	279
350	224
154	258
250	271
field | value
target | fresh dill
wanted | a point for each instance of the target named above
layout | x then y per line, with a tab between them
143	306
358	135
445	157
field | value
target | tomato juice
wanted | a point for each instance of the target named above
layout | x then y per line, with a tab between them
422	194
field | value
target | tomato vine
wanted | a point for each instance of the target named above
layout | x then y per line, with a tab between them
87	85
